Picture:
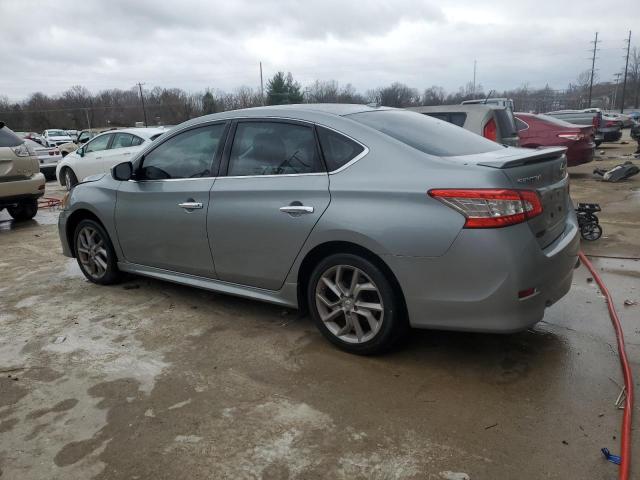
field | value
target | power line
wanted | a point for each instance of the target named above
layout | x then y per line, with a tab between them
593	67
626	67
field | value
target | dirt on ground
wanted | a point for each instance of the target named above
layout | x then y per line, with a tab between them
150	380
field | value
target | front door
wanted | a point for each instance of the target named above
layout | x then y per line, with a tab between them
161	216
92	161
275	191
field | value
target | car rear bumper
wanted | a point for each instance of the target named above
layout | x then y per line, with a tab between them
475	285
612	136
579	153
30	187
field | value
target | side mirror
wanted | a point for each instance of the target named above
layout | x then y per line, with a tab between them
122	172
81	152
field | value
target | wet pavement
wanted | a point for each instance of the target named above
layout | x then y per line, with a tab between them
153	380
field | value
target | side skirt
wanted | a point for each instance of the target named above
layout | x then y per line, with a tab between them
286	296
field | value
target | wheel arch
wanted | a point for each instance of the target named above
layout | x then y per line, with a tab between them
323	250
72	222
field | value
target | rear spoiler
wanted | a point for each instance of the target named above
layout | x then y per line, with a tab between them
525	158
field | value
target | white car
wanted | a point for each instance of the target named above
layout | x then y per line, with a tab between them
48	158
53	138
103	152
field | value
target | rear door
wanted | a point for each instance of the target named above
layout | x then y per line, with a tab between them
120	150
263	210
161	217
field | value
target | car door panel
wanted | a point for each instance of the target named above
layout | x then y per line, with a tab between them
155	231
258	224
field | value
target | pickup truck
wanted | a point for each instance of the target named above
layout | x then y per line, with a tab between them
605	130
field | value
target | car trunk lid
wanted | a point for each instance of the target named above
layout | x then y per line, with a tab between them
543	170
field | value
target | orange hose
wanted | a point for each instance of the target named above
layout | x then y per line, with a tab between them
625	439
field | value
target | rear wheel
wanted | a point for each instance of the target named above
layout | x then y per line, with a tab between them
591	231
25	210
95	254
70	179
354	305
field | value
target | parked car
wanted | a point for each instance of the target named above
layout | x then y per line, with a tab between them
376	219
103	152
491	121
48	158
545	131
54	138
627	120
80	138
606	130
21	183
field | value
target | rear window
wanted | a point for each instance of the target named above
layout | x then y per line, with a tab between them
457	118
337	149
425	134
555	121
8	138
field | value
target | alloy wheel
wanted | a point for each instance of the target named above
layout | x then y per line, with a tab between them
349	303
92	252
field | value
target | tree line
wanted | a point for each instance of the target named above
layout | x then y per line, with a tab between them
78	108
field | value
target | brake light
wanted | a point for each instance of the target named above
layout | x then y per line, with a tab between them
596	122
610	123
571	136
490	130
488	208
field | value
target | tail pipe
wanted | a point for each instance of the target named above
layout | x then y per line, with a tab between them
625	439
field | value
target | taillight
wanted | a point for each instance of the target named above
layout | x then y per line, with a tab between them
571	136
596	122
485	208
490	130
611	123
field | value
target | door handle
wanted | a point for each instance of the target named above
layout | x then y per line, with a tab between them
296	209
190	205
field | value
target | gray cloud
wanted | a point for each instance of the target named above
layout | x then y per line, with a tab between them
195	44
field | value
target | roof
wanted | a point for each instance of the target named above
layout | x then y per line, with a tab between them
470	107
144	132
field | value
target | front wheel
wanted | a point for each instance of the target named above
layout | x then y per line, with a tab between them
70	179
354	305
95	254
25	210
591	231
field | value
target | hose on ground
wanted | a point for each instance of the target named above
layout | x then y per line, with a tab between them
625	439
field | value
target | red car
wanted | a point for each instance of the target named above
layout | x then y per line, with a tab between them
546	131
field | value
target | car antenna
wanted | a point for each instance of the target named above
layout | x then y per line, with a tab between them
488	96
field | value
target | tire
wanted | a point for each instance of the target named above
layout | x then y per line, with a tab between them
381	324
591	231
70	179
95	254
25	210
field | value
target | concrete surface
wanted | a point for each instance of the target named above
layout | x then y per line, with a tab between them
149	380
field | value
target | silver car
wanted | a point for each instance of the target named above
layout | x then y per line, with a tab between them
373	219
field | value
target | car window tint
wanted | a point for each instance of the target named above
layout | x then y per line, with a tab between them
122	140
458	118
273	148
187	155
439	115
337	149
521	125
135	141
8	138
424	133
97	144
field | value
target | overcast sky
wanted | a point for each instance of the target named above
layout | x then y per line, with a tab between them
49	46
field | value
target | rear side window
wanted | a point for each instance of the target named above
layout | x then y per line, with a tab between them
273	148
122	140
425	134
338	150
189	154
135	141
8	138
521	125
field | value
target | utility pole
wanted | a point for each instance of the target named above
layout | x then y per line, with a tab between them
593	67
86	112
261	85
144	110
615	91
475	63
626	67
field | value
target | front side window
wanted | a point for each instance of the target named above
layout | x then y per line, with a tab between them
273	148
122	140
337	149
98	144
189	154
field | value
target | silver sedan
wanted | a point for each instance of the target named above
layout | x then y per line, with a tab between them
373	219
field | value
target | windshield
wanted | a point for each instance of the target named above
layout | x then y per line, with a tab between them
57	133
429	135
